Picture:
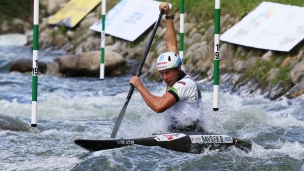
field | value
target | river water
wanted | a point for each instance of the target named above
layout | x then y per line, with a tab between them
87	108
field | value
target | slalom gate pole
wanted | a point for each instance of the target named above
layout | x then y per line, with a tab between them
181	31
103	38
35	63
217	13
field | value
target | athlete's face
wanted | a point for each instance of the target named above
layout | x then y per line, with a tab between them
170	76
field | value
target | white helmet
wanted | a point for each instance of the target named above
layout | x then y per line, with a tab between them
168	60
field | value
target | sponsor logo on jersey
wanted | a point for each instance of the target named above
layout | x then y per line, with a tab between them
182	82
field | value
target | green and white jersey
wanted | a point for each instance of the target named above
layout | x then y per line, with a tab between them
187	109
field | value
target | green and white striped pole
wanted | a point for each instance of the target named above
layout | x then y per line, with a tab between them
181	31
35	63
103	38
216	55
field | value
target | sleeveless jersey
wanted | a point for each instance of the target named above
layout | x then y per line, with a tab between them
187	109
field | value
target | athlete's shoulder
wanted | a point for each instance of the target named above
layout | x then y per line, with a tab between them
187	80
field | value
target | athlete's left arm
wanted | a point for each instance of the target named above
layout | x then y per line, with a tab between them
171	40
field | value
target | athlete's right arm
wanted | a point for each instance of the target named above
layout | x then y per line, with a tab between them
156	103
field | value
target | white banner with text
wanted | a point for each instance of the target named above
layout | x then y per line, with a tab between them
270	26
129	18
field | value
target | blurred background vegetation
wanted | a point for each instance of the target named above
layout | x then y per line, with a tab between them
236	8
10	9
200	9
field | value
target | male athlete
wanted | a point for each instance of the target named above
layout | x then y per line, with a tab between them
182	100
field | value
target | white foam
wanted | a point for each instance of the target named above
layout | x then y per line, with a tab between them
13	40
43	163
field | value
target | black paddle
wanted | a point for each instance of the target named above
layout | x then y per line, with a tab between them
123	110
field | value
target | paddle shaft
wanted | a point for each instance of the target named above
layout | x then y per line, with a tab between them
123	110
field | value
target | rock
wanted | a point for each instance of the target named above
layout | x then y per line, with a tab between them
243	89
26	64
5	26
235	78
90	45
227	65
54	5
225	20
241	52
301	55
70	34
239	66
292	61
204	68
161	47
115	47
89	20
53	69
20	25
6	124
161	32
277	91
60	40
296	91
210	73
254	85
296	75
13	124
88	64
194	47
267	56
209	33
251	61
194	39
225	78
149	59
188	27
248	88
255	52
225	53
193	31
272	74
109	40
43	25
200	55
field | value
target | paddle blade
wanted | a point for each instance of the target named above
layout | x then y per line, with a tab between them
119	119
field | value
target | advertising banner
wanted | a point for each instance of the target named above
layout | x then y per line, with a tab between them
270	26
129	19
73	12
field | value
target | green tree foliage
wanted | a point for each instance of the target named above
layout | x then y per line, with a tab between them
15	9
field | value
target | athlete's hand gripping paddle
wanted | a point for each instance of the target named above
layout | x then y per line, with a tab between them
123	110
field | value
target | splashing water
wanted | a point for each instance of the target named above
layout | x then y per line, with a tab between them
86	108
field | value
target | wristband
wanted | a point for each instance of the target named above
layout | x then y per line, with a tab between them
168	17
